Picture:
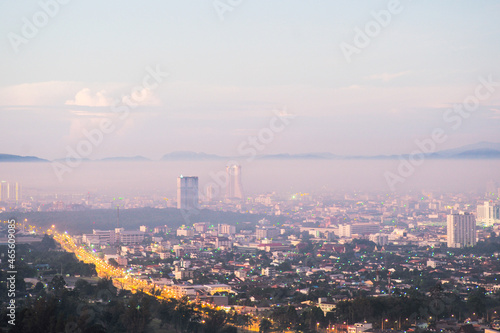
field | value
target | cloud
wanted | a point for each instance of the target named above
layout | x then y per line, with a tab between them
102	98
385	77
142	96
48	93
86	98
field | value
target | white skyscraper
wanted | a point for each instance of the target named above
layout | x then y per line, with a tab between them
234	187
226	229
488	213
10	191
187	192
211	192
461	230
16	189
4	191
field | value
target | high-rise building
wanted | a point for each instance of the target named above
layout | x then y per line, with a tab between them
267	232
118	235
234	187
347	230
488	213
16	187
269	271
10	191
105	236
222	242
201	227
185	231
211	192
130	237
461	230
187	192
4	191
379	239
226	229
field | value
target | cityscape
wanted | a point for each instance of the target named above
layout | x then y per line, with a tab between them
232	166
289	264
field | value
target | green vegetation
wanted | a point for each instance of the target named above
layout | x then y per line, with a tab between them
79	222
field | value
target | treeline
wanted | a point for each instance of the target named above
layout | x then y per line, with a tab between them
286	318
42	258
86	308
58	261
486	247
77	222
38	260
405	310
102	308
390	312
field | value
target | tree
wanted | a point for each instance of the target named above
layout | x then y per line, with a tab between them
113	262
476	301
38	287
229	329
265	326
137	315
291	316
437	290
185	316
241	319
57	284
47	243
312	317
83	287
106	284
285	266
216	321
166	311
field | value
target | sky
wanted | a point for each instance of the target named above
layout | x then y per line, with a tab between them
149	78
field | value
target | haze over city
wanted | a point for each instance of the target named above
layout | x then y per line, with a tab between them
232	166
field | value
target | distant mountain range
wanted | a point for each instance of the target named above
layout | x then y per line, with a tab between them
125	158
476	150
481	150
190	156
17	158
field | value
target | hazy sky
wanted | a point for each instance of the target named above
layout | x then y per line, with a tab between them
232	64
